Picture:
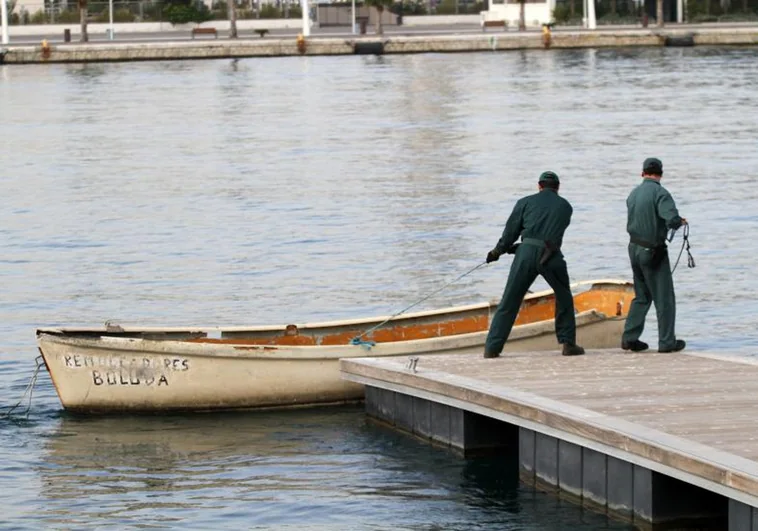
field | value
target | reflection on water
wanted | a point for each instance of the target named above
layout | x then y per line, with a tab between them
326	467
292	190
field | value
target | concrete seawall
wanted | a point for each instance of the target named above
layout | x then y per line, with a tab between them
277	47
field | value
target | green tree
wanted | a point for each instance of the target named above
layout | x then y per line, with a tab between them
183	12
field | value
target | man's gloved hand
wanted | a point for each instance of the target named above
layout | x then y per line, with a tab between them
493	256
512	249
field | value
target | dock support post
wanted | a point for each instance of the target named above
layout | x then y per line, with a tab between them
742	517
624	490
463	431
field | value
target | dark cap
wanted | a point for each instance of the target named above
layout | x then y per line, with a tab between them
652	166
549	176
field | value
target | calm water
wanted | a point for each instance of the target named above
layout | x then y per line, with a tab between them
291	190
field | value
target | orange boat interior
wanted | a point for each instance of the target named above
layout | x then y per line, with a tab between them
611	300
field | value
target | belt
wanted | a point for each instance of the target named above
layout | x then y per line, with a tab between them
533	241
643	243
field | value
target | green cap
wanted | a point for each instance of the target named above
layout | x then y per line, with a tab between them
652	166
549	176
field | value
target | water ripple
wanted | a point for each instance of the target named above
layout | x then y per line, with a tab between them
292	190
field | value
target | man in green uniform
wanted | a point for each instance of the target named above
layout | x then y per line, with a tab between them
541	220
651	211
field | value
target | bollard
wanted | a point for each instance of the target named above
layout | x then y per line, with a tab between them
301	43
66	35
45	49
547	38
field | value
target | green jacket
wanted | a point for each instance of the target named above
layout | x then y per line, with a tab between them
651	211
543	216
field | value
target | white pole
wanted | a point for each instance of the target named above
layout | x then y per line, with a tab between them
110	15
353	17
584	14
591	23
306	18
4	10
679	11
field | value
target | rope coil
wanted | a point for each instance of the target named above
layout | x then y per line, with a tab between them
685	245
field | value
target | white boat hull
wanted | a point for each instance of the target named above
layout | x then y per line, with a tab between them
100	374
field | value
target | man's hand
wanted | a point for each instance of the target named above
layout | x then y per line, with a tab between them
493	256
684	221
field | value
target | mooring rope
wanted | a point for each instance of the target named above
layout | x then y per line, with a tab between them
29	389
357	339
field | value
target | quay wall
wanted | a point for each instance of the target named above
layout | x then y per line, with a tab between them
282	47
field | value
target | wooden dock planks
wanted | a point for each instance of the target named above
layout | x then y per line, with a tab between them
696	413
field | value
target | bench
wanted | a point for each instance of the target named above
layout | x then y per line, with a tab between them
261	32
494	24
204	31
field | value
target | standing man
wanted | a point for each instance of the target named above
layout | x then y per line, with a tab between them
651	211
541	220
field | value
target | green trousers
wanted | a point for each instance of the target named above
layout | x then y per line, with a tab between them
651	286
524	271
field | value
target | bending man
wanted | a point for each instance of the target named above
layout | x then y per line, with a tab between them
540	220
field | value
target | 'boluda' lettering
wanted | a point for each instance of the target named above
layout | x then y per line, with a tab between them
126	379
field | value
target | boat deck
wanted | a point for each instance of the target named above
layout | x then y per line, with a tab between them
695	413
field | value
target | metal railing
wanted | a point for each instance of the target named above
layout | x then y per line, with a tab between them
67	12
608	11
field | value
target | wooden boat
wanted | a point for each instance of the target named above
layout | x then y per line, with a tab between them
114	368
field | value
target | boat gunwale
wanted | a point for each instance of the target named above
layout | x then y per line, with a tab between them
312	326
176	347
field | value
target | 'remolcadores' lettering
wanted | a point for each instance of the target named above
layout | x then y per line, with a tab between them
104	364
126	379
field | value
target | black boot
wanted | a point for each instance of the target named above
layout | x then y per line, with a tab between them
680	344
634	346
572	349
491	355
